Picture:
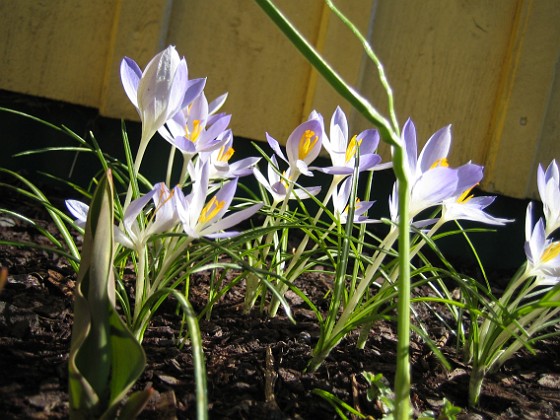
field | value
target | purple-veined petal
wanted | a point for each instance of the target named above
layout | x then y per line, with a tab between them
194	89
432	188
210	138
369	141
243	167
275	146
369	161
334	170
231	220
303	168
468	175
184	145
411	148
134	209
217	103
339	126
278	189
78	209
130	77
304	193
436	148
304	144
177	91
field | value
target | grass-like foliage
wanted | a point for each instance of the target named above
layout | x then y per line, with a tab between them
144	242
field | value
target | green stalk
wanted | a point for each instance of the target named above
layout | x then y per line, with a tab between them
402	374
391	136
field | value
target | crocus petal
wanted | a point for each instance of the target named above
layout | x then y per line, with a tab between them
411	148
339	125
161	90
473	210
303	193
275	146
468	175
436	148
304	144
369	141
78	209
369	161
133	210
303	168
217	103
242	167
130	77
432	188
194	89
231	220
334	170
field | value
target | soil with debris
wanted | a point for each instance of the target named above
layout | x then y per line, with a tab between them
255	365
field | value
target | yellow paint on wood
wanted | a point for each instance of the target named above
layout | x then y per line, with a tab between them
523	141
241	52
345	54
139	31
489	68
443	60
55	49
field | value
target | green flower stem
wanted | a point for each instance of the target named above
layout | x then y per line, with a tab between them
179	250
252	282
373	57
184	169
391	136
296	258
326	343
140	284
170	162
133	186
402	374
475	383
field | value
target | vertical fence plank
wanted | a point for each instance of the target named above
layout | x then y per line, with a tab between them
519	139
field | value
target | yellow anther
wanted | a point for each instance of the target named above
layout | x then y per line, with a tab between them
465	197
440	162
210	210
306	143
195	133
224	154
352	148
357	206
551	252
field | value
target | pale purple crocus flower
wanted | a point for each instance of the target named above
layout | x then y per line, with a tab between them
160	91
340	200
342	151
278	185
219	160
302	147
432	180
468	207
548	183
189	131
163	218
205	218
543	254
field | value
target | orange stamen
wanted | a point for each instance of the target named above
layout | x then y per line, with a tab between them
210	210
306	143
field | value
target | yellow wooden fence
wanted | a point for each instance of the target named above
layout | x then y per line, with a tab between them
487	67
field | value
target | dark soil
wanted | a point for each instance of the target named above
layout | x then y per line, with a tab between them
256	366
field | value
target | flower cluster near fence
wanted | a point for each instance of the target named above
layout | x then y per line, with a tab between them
169	231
